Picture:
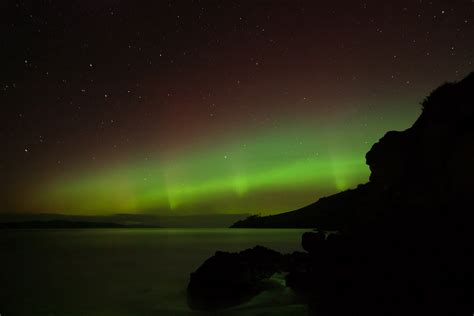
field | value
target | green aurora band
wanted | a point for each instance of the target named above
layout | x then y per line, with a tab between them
274	170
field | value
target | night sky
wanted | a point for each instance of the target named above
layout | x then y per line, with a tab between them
185	107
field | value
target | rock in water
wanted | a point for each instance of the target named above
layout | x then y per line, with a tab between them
228	279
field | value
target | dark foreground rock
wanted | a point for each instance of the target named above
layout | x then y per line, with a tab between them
228	279
411	250
393	274
384	274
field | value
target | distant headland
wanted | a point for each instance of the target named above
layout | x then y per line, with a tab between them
123	220
56	224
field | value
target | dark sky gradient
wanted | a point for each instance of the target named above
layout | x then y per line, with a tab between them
210	106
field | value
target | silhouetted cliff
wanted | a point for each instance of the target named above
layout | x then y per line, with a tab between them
428	166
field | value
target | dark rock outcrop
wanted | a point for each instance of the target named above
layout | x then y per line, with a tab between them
410	250
229	279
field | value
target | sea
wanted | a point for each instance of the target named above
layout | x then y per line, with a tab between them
127	272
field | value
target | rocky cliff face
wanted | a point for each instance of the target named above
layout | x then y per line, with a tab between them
427	156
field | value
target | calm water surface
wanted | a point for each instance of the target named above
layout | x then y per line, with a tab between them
123	271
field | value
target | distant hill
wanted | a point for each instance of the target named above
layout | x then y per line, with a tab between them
57	224
39	220
416	174
67	224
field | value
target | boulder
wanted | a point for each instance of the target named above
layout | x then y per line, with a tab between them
228	279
